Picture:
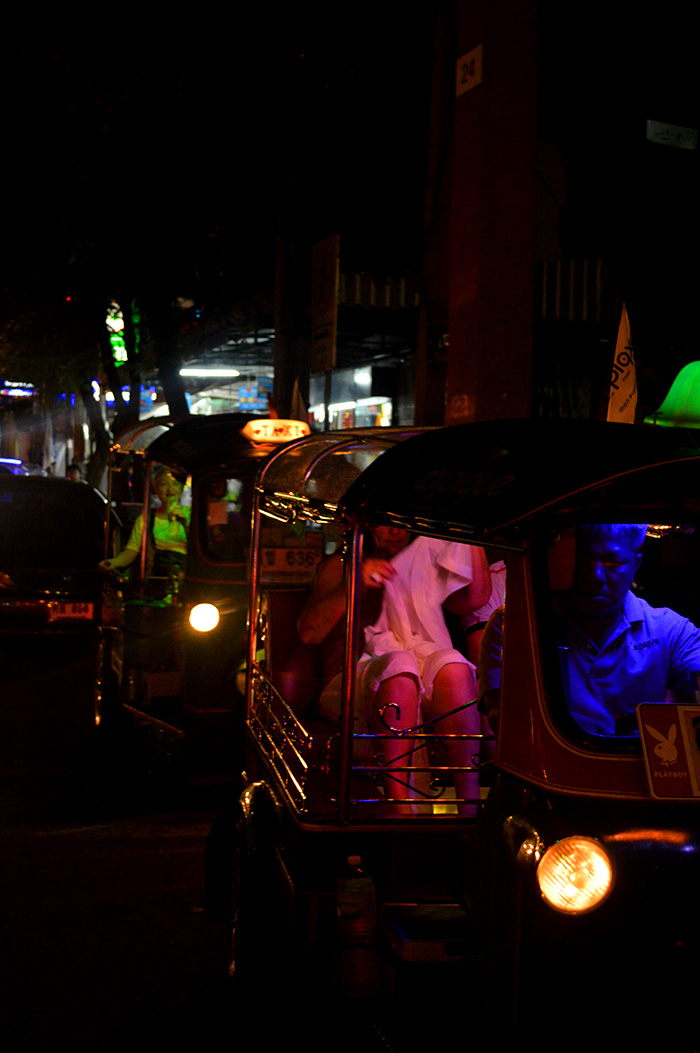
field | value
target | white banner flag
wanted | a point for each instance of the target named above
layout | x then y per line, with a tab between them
622	403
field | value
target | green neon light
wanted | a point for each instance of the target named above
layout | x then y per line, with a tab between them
681	407
119	354
115	325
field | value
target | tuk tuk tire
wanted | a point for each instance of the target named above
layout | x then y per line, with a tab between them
242	886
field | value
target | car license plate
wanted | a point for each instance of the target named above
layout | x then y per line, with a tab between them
59	611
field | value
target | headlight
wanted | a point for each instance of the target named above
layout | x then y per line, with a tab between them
575	874
204	617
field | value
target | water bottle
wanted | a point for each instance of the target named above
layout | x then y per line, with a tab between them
356	902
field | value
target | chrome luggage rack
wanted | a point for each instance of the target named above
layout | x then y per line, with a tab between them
304	756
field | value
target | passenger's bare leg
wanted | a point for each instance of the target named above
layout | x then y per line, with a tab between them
400	694
454	685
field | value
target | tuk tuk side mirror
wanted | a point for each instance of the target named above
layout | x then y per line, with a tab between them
523	841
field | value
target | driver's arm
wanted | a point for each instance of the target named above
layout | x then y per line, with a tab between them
128	554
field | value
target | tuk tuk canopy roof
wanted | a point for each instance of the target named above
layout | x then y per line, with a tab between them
138	438
483	481
199	442
308	477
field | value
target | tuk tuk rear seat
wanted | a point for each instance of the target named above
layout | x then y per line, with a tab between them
295	667
295	671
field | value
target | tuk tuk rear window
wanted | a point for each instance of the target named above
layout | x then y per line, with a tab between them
620	614
225	507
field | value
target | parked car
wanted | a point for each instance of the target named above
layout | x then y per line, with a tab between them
51	537
15	466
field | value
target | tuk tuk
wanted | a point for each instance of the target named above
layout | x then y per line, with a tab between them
166	662
317	790
568	900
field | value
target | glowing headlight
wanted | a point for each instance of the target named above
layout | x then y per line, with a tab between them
204	617
575	874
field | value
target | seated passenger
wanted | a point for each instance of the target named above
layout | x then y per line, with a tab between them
408	657
228	528
168	526
473	626
474	623
615	650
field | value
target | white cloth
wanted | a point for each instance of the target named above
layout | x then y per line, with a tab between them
410	637
428	571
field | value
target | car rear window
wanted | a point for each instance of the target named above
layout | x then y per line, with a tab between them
49	524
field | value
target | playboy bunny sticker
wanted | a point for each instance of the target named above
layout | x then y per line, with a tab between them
665	748
672	759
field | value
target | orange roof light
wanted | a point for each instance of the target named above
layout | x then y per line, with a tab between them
275	430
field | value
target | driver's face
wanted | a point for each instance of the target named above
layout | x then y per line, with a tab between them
605	569
389	540
168	489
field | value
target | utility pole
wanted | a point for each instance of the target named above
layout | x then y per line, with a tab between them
483	219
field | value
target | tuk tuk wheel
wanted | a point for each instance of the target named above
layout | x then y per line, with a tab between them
244	890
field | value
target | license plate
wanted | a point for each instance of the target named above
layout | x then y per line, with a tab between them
289	564
59	611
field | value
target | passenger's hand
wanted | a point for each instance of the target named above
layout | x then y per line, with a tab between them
376	573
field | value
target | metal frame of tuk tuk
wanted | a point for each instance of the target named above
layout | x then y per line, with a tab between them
284	749
280	852
134	442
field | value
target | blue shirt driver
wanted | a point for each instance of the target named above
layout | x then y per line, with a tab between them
651	655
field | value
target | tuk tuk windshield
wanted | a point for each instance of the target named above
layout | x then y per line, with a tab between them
623	615
226	510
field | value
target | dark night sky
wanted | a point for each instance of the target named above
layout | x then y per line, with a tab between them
605	70
155	142
174	117
131	130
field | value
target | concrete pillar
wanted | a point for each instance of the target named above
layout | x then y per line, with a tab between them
492	269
